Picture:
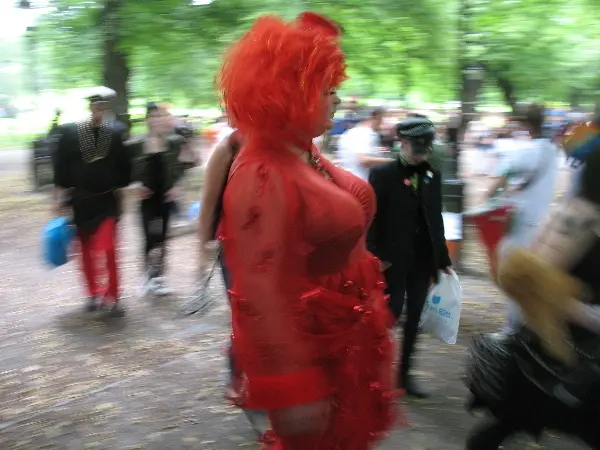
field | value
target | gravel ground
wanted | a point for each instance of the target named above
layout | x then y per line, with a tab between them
154	380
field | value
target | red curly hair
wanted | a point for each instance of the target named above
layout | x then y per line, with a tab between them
272	81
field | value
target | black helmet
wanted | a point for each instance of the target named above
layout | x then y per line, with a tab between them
420	131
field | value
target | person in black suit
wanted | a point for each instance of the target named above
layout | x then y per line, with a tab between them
407	233
91	165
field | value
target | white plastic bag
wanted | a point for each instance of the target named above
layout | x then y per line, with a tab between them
441	313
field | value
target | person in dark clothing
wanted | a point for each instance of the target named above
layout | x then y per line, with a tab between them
545	376
407	233
157	171
91	164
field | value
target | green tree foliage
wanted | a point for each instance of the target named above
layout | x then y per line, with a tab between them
538	50
530	49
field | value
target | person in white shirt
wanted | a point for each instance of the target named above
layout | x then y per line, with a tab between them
358	147
533	168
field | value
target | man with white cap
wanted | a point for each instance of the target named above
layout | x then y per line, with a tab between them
91	164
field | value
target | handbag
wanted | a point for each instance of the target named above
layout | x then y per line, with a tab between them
56	241
203	300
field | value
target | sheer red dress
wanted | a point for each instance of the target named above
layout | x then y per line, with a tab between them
309	314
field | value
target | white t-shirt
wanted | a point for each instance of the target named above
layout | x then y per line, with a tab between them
360	140
538	158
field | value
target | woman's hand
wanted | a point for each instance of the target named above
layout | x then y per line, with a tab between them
203	260
59	210
143	192
207	253
303	419
172	194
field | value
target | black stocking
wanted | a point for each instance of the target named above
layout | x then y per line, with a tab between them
489	435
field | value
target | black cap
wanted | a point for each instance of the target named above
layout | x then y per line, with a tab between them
419	130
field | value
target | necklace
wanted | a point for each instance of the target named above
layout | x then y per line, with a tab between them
317	163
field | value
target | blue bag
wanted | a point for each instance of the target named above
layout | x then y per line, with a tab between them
56	239
193	211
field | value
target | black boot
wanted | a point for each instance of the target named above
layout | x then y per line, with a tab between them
489	435
116	311
411	387
405	380
91	303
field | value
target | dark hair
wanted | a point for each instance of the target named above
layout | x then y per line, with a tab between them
419	115
376	112
531	115
150	108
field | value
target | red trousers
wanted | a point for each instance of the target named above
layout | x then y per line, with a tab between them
98	259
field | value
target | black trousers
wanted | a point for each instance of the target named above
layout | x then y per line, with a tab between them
155	222
408	291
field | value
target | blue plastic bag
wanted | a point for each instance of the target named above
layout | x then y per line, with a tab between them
193	211
56	240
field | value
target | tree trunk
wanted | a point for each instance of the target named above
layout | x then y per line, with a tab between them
575	98
116	70
471	74
471	85
32	54
508	91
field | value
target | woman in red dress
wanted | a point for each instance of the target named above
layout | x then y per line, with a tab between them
310	321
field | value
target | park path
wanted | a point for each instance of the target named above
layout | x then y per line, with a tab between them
154	380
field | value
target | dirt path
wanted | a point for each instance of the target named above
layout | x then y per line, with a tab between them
154	380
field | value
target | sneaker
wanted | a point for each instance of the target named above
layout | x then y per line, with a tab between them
412	388
116	311
259	420
157	286
91	303
144	288
112	307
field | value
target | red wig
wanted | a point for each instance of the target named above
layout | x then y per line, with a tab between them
273	79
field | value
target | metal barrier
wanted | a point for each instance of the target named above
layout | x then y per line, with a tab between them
453	195
453	203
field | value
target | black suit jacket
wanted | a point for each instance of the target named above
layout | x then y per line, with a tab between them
70	170
408	227
92	184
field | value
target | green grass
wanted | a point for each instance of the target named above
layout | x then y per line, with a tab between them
19	133
17	141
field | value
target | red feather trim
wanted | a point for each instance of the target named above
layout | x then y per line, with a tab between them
274	80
